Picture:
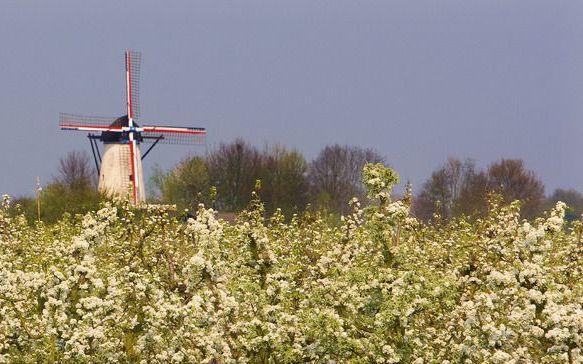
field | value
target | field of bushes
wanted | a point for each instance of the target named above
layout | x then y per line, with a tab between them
156	285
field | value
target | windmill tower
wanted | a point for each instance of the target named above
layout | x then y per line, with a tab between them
120	167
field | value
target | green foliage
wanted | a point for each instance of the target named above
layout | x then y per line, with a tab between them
572	198
283	179
229	174
187	185
379	181
56	200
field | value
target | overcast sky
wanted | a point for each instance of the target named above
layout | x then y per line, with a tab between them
416	80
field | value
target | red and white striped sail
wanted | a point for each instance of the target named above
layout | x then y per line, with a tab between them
133	165
133	60
173	135
166	134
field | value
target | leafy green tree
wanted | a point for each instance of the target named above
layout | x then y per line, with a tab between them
573	199
57	199
232	171
73	191
283	180
186	185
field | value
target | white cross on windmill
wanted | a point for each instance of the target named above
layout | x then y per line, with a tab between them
120	168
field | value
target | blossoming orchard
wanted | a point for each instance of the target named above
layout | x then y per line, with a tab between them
146	286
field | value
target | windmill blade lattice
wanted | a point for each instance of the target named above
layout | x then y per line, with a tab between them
133	66
173	135
87	123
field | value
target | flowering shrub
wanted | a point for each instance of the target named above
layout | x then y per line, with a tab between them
140	285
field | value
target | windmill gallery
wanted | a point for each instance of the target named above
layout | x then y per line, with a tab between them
120	167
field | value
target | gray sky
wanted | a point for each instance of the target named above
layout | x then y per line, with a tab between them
416	80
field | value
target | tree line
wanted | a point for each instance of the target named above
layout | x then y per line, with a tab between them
458	188
284	179
228	175
72	191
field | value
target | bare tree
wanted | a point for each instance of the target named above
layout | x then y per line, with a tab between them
75	171
458	189
473	198
453	189
233	169
335	175
435	197
513	181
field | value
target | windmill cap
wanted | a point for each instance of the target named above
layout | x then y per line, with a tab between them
117	137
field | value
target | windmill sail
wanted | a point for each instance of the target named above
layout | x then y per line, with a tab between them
87	123
133	65
173	135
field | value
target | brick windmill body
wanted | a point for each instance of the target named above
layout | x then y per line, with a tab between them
120	166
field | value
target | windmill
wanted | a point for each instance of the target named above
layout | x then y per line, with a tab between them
120	167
